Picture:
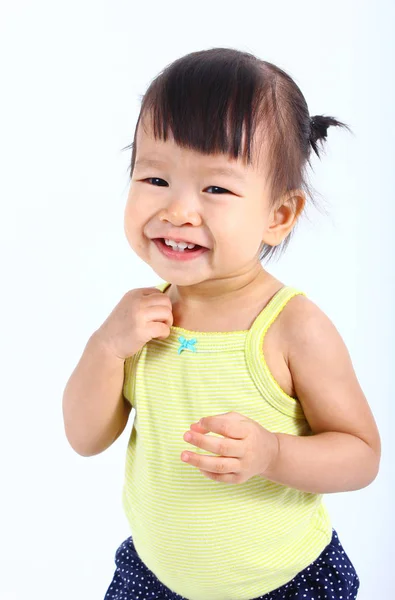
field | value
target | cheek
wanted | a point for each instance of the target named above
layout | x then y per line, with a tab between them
129	224
140	208
134	225
243	230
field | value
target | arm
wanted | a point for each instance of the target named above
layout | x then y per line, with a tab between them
343	454
95	411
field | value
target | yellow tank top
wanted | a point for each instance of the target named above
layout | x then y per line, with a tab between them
204	539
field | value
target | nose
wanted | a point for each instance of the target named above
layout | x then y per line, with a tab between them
178	215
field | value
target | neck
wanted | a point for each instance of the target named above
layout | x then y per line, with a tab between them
220	292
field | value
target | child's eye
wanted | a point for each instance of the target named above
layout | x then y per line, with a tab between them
152	178
211	186
220	188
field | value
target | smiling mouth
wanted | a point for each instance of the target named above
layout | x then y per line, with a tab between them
178	253
196	246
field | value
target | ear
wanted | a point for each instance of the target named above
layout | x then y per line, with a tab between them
283	217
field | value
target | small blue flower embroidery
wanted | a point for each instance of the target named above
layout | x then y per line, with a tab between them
186	344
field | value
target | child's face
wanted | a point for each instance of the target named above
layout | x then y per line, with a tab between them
230	222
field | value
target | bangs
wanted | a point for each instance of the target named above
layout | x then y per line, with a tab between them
208	105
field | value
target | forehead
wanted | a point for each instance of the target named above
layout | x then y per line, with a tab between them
151	151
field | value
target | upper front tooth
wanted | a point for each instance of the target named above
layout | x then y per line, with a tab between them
179	244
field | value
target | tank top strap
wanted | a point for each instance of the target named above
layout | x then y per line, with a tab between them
162	286
255	359
272	309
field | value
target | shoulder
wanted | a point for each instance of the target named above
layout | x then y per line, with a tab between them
312	343
304	322
317	357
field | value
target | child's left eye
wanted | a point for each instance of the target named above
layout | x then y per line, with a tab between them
219	188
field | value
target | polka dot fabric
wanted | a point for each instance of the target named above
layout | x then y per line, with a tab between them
331	576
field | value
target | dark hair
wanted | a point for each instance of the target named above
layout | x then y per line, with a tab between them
206	98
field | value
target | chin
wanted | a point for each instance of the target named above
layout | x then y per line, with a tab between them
177	278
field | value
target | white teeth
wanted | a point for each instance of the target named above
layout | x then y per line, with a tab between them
180	246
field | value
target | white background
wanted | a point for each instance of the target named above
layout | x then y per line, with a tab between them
72	74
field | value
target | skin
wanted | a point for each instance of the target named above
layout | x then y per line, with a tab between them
224	291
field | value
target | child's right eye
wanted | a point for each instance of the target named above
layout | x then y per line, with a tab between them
151	178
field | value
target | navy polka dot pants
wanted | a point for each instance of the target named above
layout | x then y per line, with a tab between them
330	577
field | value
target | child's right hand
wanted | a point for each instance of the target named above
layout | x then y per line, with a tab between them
141	314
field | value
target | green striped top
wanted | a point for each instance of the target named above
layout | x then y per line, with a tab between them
206	539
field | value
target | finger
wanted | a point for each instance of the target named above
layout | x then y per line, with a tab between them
198	428
152	294
230	425
159	313
146	291
222	478
158	298
213	464
217	445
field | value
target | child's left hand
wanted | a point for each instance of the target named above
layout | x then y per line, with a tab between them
247	448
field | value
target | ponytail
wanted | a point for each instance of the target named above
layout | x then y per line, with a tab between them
319	129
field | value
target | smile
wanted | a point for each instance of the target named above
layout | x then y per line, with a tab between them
176	253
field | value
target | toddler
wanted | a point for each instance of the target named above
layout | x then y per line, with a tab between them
247	407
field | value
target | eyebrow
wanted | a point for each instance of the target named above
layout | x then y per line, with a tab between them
227	171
